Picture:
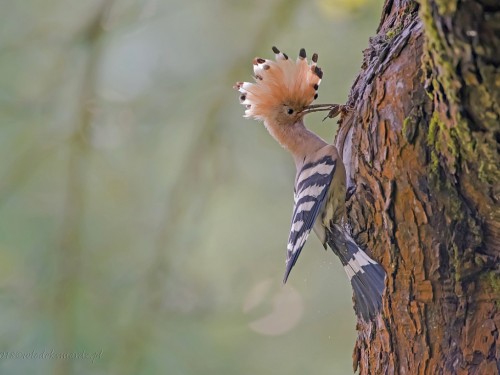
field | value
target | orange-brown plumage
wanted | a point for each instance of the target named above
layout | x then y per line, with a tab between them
281	96
280	83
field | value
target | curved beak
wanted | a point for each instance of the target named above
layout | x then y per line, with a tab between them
334	109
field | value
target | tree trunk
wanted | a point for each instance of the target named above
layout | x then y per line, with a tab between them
422	149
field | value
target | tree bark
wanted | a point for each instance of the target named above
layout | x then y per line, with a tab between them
421	147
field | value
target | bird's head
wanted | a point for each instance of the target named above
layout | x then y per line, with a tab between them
283	89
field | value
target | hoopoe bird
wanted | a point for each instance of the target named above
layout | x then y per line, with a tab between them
280	97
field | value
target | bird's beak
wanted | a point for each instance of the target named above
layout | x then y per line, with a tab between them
334	109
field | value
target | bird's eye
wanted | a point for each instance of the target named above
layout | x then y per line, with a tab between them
290	111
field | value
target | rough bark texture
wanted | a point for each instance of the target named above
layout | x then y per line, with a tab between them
422	149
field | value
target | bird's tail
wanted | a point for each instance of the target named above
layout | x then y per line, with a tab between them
367	276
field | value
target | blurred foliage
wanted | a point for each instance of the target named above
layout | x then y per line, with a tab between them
141	217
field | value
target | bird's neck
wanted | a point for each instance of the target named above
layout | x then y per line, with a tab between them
297	139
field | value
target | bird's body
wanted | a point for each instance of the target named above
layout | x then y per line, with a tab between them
281	97
334	207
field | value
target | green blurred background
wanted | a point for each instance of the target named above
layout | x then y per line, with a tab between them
143	221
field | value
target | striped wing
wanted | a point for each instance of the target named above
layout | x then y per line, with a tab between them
311	188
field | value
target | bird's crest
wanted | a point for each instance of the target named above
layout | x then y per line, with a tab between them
278	82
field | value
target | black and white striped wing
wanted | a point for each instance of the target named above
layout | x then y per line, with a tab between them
311	188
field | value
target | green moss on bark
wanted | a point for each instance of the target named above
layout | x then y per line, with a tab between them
492	279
